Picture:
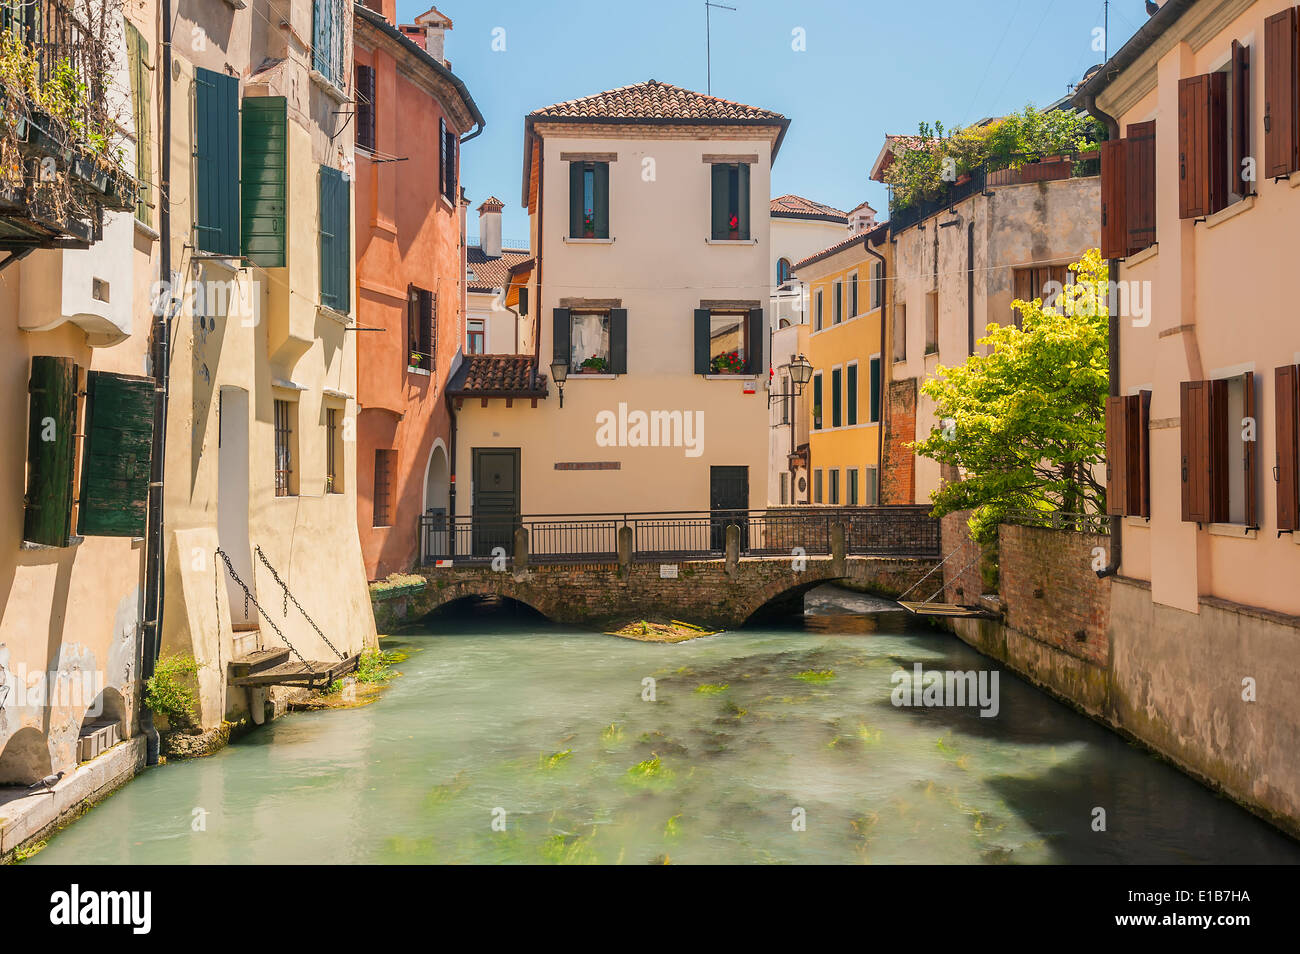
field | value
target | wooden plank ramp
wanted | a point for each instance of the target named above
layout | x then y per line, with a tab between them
945	609
272	667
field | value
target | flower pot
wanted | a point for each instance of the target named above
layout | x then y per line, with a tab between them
734	235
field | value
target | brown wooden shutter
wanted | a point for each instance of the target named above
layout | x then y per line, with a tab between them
1250	449
1140	186
1194	424
1218	449
1024	282
1137	454
1240	118
1286	472
1281	97
1116	463
1202	145
1114	229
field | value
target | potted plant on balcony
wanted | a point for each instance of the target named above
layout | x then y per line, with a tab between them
414	359
593	365
729	362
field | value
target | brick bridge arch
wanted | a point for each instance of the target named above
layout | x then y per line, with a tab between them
711	593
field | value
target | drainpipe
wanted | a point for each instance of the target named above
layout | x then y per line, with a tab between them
880	425
970	288
1116	526
151	641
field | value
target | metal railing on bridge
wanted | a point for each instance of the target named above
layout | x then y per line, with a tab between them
896	531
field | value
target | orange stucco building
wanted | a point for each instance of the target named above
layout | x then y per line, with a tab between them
412	114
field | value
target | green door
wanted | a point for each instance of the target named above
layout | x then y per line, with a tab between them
496	499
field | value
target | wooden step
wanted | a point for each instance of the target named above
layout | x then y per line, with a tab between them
313	675
259	660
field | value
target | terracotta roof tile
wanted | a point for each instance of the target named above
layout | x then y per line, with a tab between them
491	203
797	207
654	100
490	273
496	375
856	237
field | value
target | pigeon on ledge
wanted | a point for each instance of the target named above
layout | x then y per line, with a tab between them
1152	8
46	784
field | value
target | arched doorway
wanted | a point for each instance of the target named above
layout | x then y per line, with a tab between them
434	541
25	758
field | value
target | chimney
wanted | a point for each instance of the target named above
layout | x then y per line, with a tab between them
489	226
430	32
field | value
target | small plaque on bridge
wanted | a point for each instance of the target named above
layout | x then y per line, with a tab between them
667	571
444	563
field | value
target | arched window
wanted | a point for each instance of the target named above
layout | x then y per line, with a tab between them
782	271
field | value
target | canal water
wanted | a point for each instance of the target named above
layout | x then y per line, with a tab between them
508	739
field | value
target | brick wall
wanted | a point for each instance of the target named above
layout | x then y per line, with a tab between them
962	583
1051	592
898	475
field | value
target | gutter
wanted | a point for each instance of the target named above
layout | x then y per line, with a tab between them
1089	102
1138	43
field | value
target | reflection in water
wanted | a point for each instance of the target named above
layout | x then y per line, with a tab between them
506	718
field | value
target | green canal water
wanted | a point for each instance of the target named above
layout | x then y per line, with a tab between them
504	721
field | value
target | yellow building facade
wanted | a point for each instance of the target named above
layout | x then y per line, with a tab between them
847	340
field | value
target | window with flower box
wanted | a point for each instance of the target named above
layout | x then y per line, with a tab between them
730	205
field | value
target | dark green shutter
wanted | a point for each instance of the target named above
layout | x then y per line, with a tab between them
817	402
742	193
703	328
51	425
522	307
115	458
452	143
560	334
216	161
575	200
137	51
875	391
263	180
754	356
618	340
335	240
837	399
851	396
602	199
442	156
721	190
365	93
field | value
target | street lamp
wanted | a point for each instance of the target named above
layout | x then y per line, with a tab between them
801	371
560	374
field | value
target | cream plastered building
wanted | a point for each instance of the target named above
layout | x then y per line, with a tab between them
1205	611
261	458
650	226
72	589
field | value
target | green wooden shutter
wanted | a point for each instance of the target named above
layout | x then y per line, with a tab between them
335	240
327	40
602	199
618	340
264	181
875	391
216	160
851	394
51	426
560	334
817	402
754	333
115	458
703	326
137	50
837	398
721	188
575	200
742	192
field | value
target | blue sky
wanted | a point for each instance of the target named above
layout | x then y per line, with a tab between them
871	67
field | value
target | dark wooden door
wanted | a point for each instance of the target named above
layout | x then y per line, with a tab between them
496	498
728	502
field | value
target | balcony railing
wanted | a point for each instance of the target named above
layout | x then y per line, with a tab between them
902	531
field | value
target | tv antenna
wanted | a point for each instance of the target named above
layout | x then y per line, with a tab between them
708	43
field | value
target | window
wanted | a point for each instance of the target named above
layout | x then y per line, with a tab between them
785	488
1044	281
787	389
900	332
817	401
782	271
335	240
421	328
730	212
1281	94
817	312
837	301
286	451
1286	384
874	385
851	397
877	285
333	451
385	468
589	341
834	486
817	485
853	295
1218	463
872	487
137	51
1128	455
589	200
1214	137
216	162
475	336
365	113
932	322
1128	191
851	486
837	398
328	28
447	160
